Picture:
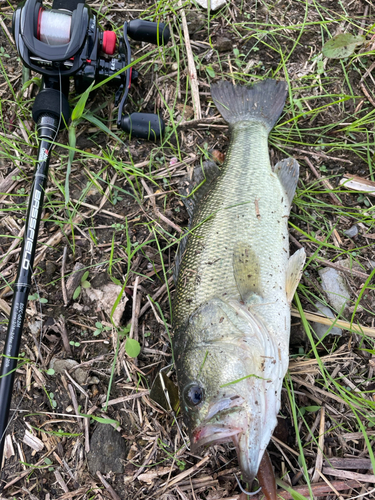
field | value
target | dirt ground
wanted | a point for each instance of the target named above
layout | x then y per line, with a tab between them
120	231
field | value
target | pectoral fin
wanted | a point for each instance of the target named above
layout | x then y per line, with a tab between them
246	272
294	272
288	172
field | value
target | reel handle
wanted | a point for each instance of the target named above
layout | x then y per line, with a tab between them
147	31
143	126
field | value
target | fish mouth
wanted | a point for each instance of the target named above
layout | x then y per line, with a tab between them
229	420
218	425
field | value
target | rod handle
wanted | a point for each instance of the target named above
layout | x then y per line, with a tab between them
147	31
143	125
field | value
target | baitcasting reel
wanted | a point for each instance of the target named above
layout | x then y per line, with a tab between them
66	41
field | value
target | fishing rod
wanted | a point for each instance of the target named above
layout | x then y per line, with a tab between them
60	43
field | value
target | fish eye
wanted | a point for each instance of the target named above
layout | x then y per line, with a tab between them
194	395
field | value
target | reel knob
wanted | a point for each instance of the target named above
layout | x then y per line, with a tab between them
143	125
109	42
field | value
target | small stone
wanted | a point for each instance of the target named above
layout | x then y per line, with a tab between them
335	288
108	449
50	268
35	327
218	156
352	231
223	44
93	380
60	365
195	21
94	391
321	329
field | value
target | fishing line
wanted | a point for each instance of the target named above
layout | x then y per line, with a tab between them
248	493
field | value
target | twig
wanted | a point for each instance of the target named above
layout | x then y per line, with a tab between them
93	207
329	484
106	194
147	460
191	65
40	463
328	263
318	489
156	209
3	25
72	494
160	292
188	472
127	398
14	245
281	443
61	481
365	91
327	394
360	329
343	269
57	237
74	401
76	384
319	456
346	474
324	181
64	334
194	123
107	486
63	286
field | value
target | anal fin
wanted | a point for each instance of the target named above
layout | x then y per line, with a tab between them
294	272
288	172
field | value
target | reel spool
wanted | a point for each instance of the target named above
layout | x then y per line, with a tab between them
66	41
53	27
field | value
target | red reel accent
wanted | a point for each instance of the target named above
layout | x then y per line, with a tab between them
38	23
109	42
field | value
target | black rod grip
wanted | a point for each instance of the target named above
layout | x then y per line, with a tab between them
143	125
147	31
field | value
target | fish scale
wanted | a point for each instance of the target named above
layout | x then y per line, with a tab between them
244	204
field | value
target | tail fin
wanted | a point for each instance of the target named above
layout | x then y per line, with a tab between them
263	102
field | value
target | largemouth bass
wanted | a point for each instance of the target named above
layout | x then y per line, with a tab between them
231	313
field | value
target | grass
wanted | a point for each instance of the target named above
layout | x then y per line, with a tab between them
328	119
